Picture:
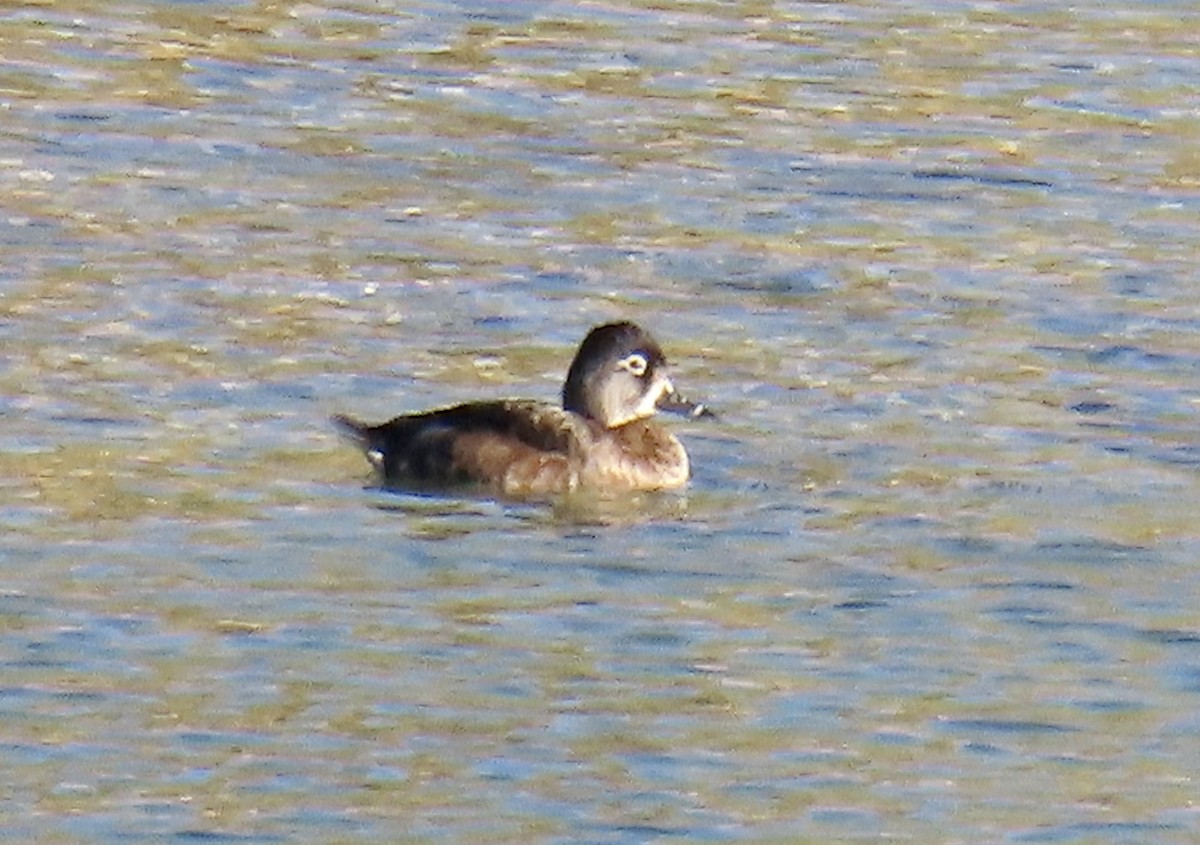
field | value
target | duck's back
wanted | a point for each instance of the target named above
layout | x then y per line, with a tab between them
515	447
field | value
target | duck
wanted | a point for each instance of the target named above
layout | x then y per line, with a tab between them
600	438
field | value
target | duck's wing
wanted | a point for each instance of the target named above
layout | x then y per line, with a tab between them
516	447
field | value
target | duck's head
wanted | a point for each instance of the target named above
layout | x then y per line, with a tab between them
619	375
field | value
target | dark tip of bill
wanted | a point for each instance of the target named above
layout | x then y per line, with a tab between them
676	404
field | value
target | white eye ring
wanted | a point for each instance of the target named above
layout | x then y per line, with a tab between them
635	363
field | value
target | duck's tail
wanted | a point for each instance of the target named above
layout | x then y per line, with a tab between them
357	431
366	437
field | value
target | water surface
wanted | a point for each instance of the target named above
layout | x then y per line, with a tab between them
935	577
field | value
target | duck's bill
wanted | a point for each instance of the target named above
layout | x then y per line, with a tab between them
676	403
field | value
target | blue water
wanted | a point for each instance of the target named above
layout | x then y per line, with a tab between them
933	579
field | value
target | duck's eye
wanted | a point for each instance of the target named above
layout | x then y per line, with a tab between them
635	363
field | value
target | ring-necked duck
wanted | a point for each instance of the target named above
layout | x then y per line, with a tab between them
601	438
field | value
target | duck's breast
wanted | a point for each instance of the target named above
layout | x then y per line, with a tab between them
637	456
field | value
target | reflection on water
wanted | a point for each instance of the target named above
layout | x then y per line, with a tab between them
934	577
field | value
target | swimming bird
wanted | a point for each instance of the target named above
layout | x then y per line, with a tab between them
601	438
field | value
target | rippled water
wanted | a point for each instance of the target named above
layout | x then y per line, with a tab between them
935	579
